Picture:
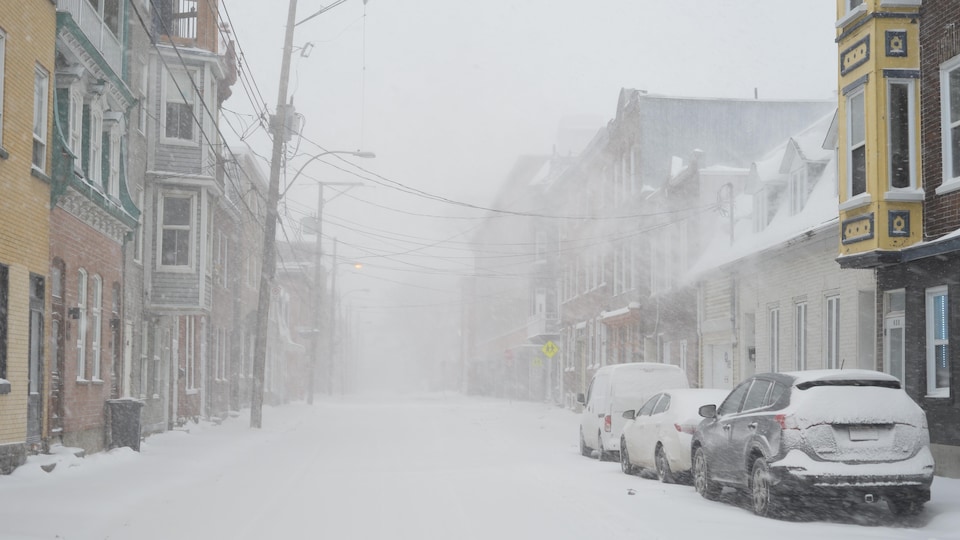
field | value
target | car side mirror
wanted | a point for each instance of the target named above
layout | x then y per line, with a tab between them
580	399
708	411
629	415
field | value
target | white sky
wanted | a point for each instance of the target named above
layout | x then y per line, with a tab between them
421	467
449	93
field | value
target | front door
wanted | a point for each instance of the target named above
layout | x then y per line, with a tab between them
894	352
719	367
35	368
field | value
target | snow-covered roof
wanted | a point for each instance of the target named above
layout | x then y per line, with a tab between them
820	210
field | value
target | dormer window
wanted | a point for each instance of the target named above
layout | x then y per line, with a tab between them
799	189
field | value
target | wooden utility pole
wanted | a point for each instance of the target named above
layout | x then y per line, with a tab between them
269	255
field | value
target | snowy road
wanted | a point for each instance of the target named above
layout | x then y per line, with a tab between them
428	467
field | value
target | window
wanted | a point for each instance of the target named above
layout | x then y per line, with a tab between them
176	230
95	139
142	102
662	406
76	123
41	86
113	182
144	358
181	100
856	145
774	339
894	350
756	395
853	4
82	325
832	332
4	315
900	104
798	189
138	237
683	355
938	343
733	401
3	54
647	408
222	354
950	121
190	345
800	335
96	316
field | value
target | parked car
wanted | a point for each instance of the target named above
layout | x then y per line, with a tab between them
826	435
658	436
614	389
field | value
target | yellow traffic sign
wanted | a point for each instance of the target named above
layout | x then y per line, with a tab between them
550	348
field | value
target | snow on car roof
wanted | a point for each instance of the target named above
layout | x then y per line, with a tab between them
839	375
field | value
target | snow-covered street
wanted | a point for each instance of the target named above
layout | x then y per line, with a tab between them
424	467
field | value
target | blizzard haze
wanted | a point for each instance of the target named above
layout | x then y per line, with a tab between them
449	95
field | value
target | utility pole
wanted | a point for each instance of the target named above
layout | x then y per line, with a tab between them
319	286
331	313
269	255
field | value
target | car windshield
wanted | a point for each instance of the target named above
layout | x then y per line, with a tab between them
371	269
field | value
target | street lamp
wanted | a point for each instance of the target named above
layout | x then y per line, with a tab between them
269	264
344	336
317	266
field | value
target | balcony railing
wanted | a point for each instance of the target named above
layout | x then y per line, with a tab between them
96	31
543	325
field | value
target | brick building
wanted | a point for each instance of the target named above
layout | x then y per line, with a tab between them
900	211
92	215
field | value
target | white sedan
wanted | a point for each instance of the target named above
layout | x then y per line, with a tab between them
659	435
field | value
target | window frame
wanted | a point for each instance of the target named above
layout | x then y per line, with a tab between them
96	321
773	339
113	182
3	55
41	117
82	325
933	390
94	171
857	93
831	341
191	228
172	95
800	335
949	147
911	133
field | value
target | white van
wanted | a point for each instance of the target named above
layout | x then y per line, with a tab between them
615	389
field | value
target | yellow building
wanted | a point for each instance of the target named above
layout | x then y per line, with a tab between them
881	193
27	44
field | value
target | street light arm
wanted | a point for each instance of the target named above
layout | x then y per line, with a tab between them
356	153
323	10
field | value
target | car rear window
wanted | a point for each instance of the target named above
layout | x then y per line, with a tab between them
850	382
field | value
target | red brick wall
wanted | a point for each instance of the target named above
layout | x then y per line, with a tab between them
81	246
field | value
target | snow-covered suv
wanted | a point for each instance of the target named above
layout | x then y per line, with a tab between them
817	435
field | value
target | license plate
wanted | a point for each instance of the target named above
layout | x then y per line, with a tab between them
863	433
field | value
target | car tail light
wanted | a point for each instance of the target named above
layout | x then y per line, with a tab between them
685	429
607	423
787	421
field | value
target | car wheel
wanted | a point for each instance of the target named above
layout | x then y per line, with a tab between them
601	455
704	485
663	466
764	503
904	506
584	450
625	464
